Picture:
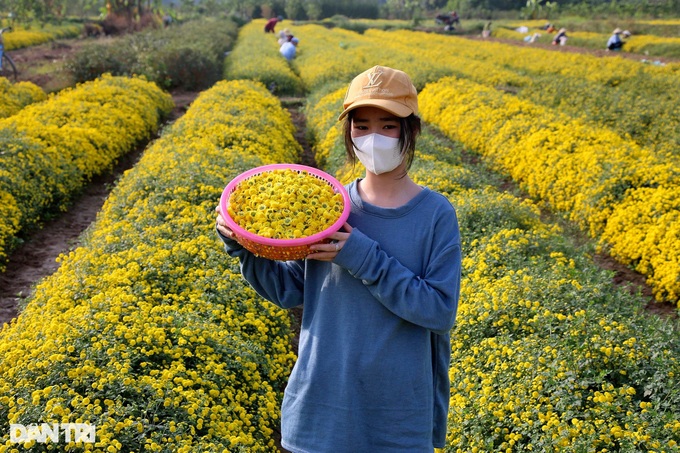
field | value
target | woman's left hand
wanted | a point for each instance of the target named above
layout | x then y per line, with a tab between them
328	251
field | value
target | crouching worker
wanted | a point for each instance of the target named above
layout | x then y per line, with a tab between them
615	42
289	49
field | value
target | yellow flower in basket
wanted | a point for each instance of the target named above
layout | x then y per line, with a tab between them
277	211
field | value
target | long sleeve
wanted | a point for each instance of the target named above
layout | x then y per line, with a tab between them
282	283
428	299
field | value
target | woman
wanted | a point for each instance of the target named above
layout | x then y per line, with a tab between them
379	301
615	42
560	37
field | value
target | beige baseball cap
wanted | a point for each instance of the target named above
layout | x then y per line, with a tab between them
382	87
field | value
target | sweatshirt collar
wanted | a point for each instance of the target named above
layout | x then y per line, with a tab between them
380	211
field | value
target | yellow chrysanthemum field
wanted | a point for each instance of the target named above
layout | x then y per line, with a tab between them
148	332
284	204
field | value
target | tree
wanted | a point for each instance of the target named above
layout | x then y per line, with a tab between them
401	9
295	9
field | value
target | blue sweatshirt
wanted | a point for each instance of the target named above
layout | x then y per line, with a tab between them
374	350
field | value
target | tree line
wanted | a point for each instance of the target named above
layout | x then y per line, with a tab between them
136	10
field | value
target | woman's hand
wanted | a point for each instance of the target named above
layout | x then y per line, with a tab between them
321	252
222	225
328	252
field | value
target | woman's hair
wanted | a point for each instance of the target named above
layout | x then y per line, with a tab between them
409	131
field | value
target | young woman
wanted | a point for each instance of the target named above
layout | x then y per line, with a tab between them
379	301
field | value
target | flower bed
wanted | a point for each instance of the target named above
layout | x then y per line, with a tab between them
15	96
52	148
21	37
147	331
590	174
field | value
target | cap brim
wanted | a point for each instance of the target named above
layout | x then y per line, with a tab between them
395	108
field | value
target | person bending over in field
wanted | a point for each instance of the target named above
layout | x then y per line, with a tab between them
271	24
560	38
289	49
379	301
615	42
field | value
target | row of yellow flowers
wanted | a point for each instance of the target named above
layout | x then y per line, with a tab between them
52	148
16	96
625	96
25	37
635	44
147	330
545	356
575	165
617	191
251	49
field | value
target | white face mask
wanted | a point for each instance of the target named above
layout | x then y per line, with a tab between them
378	153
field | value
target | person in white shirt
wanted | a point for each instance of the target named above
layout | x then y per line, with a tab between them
289	49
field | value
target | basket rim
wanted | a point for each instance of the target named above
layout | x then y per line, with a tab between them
307	240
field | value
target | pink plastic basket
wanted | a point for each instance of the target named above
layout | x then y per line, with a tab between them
282	249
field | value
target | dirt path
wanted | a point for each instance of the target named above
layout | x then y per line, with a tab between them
36	257
44	64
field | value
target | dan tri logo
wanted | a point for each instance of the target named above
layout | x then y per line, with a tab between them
373	78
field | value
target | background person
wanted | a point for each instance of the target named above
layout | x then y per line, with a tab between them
2	43
532	38
615	42
560	38
271	24
284	36
455	19
378	303
289	49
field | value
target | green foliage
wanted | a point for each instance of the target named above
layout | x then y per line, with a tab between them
633	107
189	56
346	23
95	59
666	49
620	8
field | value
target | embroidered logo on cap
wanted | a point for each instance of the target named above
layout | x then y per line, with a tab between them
373	78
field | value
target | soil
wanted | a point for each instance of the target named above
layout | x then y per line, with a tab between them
36	257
